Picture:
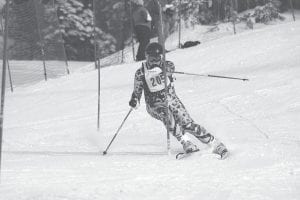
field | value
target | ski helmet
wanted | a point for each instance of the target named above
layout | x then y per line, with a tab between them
154	49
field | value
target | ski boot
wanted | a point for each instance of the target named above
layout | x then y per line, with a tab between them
188	146
219	148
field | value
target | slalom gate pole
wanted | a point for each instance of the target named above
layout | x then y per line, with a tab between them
10	79
179	25
99	98
232	15
212	76
42	50
96	61
4	62
293	12
165	75
105	152
131	26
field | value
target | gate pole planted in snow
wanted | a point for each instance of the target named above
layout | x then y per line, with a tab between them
179	25
166	77
4	61
9	76
8	68
131	25
97	61
41	40
99	75
292	7
233	17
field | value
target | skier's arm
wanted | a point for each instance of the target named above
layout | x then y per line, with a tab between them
137	90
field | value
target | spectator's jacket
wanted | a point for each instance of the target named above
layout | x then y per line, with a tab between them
141	16
153	8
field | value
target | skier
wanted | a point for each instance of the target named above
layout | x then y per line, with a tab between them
150	79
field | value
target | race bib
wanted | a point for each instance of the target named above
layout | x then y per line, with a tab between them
155	79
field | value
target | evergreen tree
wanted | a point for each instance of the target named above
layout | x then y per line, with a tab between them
76	22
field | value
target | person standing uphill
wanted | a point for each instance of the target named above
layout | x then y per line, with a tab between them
142	27
149	79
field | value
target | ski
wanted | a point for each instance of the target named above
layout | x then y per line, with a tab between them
182	155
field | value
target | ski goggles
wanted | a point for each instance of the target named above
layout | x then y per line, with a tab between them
154	59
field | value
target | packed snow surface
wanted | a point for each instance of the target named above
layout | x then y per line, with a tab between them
52	149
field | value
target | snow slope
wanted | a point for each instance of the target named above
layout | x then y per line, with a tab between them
52	149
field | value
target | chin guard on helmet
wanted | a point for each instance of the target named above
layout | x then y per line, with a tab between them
153	61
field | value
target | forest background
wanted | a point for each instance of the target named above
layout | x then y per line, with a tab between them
113	30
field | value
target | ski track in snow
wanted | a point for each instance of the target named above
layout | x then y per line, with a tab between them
53	151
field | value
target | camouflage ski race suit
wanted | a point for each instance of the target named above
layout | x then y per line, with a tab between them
151	81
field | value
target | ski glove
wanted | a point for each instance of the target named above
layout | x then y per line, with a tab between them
134	103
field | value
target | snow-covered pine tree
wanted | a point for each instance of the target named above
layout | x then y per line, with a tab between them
267	12
76	24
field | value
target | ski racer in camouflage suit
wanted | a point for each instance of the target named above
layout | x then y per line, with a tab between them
150	79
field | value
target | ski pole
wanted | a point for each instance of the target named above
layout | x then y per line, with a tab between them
105	152
213	76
